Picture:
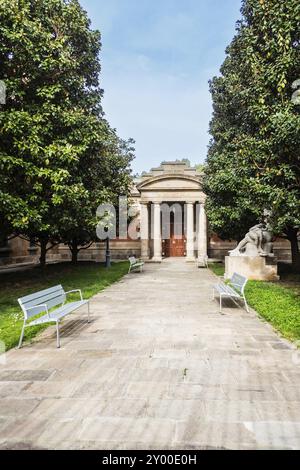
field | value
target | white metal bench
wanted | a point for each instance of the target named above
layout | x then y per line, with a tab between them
135	264
43	301
234	290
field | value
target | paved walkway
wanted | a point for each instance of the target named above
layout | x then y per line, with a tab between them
158	367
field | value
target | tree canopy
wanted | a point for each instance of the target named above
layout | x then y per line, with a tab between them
253	163
59	157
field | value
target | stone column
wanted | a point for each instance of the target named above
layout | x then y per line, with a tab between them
202	236
157	248
190	256
144	231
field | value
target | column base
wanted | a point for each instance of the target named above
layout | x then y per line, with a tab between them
156	259
190	259
202	261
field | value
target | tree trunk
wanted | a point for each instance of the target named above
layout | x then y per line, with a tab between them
43	254
292	236
74	250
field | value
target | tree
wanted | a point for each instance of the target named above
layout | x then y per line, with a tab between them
200	167
253	160
108	176
53	133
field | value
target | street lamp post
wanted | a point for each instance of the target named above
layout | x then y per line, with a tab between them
107	254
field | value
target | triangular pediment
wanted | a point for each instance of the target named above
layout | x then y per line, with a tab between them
170	182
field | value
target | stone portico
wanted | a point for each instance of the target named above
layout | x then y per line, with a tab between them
172	213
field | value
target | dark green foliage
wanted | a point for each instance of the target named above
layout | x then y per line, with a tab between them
59	158
253	162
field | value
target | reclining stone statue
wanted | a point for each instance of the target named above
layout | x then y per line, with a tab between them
257	242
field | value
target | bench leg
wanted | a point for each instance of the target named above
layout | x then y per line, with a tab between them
57	335
220	303
22	336
246	305
88	312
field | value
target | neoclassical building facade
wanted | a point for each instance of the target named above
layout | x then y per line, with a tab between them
172	213
169	206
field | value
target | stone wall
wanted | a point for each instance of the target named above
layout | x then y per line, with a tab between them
19	251
218	248
119	250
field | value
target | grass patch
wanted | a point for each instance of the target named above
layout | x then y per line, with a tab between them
91	278
278	303
217	268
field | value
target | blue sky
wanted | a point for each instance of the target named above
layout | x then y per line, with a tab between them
157	57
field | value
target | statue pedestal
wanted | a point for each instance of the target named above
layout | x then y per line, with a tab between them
257	268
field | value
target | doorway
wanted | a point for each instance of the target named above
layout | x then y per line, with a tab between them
175	246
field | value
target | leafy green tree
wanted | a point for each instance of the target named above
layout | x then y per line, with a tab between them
200	167
253	162
54	139
107	178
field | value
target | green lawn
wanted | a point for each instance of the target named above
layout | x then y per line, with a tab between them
278	303
91	278
217	268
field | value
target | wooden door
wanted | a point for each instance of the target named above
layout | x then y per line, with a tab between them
174	247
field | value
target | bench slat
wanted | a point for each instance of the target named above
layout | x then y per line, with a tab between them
59	313
224	289
41	293
50	297
238	282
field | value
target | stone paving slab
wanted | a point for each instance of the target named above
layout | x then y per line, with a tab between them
157	368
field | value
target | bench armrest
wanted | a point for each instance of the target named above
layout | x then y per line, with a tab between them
73	291
38	306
